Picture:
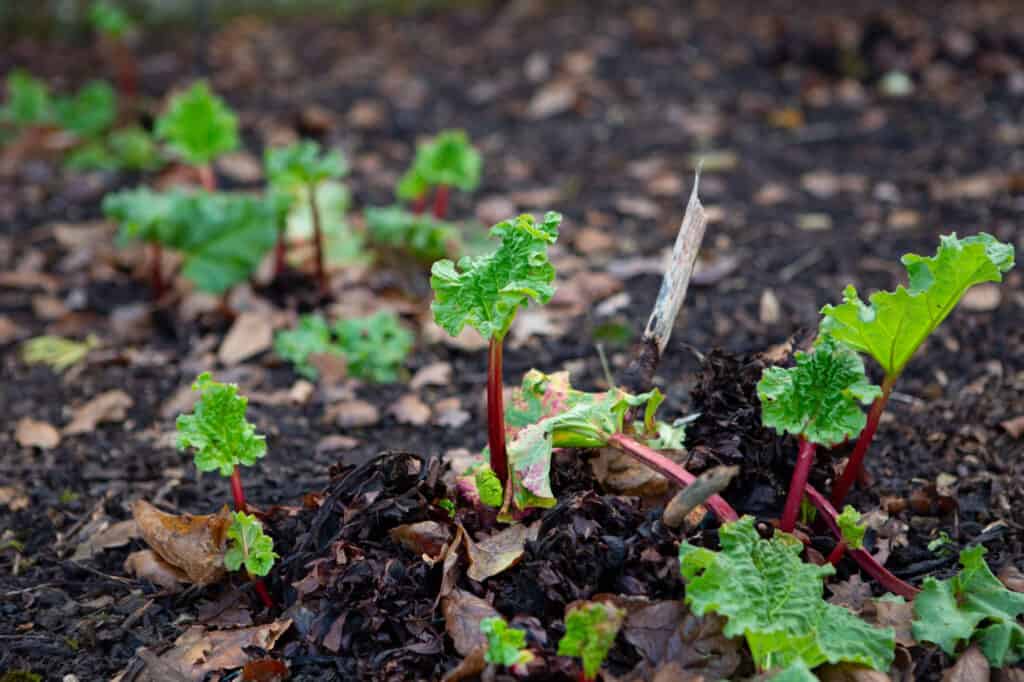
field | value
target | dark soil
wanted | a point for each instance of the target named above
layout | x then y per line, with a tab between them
794	96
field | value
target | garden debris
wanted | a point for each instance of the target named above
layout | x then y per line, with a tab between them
711	482
895	613
849	672
264	670
557	97
108	407
449	413
982	298
198	651
251	334
35	433
971	666
1014	426
434	374
13	499
194	544
350	414
498	552
147	565
426	538
853	593
463	613
334	443
56	351
108	536
623	475
409	409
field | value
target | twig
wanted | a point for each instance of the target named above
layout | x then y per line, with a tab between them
604	365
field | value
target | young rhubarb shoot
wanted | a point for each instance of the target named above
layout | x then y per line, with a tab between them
447	161
818	401
249	546
424	237
115	28
590	631
198	126
220	435
505	645
972	606
299	170
774	600
28	103
852	534
895	323
485	293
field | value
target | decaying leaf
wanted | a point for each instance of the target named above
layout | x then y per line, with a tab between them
251	334
848	672
113	535
409	409
971	666
199	651
147	565
463	613
195	544
109	406
34	433
667	633
425	537
498	552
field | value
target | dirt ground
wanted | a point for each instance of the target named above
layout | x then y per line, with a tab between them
820	168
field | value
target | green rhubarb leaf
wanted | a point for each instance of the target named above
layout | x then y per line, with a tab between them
971	606
134	149
145	214
505	645
303	164
488	486
773	599
249	546
590	631
485	292
198	126
851	527
311	335
217	429
818	399
895	323
375	347
422	235
796	672
110	20
28	100
449	159
90	111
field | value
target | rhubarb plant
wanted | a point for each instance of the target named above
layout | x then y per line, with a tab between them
590	631
300	170
28	103
505	645
972	606
198	127
893	324
818	401
774	600
447	161
485	293
424	237
249	546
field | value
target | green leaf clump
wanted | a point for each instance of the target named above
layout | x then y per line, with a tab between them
893	325
485	292
89	112
972	606
302	164
374	347
590	631
449	160
198	126
488	486
818	398
57	352
249	546
421	235
505	645
217	429
110	20
774	600
28	100
851	527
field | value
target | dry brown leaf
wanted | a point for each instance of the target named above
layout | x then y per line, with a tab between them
463	612
894	614
853	593
982	298
638	207
848	672
335	442
434	374
251	334
264	670
623	475
27	279
498	552
971	666
113	535
1012	577
331	368
591	240
109	406
769	309
195	544
557	97
147	565
470	667
34	433
409	409
449	569
240	166
424	537
13	498
199	651
448	412
349	414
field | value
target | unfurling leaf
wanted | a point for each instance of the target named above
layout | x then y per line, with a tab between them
851	527
505	645
449	159
971	606
218	430
198	125
249	546
488	486
485	292
895	323
818	399
774	599
110	20
590	631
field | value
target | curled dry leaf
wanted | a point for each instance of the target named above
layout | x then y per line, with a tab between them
498	552
34	433
114	535
109	406
199	652
463	613
469	669
195	544
896	614
147	565
853	593
251	334
971	666
425	537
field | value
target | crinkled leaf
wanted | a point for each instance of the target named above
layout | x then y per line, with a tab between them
303	164
422	235
971	606
449	159
28	100
796	672
311	335
249	546
90	111
145	214
774	599
375	347
485	292
895	323
198	126
488	486
590	631
851	527
669	436
818	399
505	645
217	428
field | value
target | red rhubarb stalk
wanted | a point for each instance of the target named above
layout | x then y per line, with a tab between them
836	555
156	255
318	236
855	465
670	470
280	252
804	459
206	177
236	489
496	413
867	562
420	205
441	202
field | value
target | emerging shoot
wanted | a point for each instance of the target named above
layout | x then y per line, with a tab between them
198	126
852	531
505	645
590	631
249	546
447	161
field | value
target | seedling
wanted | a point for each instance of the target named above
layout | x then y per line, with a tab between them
301	169
57	352
447	161
424	237
774	600
374	347
972	606
590	631
505	645
198	126
249	546
28	102
114	28
88	113
852	532
895	323
819	402
486	292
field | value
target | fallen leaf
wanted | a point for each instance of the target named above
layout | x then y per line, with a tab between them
591	240
109	406
463	612
409	409
848	672
434	374
666	632
335	442
1014	426
13	498
350	414
500	551
26	279
450	566
331	368
469	668
198	651
895	614
34	433
1012	577
264	670
769	310
638	207
555	98
48	307
424	537
853	593
971	666
449	413
251	334
147	565
240	166
9	330
621	474
195	544
113	535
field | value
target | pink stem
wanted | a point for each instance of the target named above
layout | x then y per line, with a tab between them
236	489
420	204
804	459
496	413
156	269
836	555
855	465
867	562
280	253
670	470
318	236
441	202
261	590
206	177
